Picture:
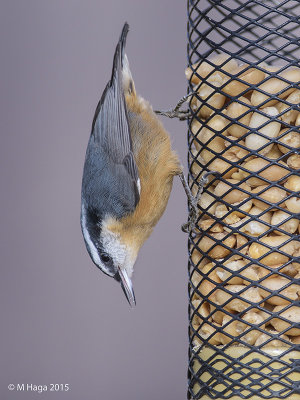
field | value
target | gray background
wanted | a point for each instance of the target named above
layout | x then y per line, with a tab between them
62	320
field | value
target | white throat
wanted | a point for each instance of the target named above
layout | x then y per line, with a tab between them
120	253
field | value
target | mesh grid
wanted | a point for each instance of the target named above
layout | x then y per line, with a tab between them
244	267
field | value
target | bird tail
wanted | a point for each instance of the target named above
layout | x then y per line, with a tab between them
113	98
121	68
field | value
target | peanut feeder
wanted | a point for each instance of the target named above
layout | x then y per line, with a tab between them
244	259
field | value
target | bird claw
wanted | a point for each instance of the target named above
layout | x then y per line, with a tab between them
182	115
176	112
191	225
185	227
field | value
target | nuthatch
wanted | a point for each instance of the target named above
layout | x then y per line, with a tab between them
128	175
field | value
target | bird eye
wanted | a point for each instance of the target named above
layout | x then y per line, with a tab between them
105	258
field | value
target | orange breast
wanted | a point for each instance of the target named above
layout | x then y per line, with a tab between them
157	164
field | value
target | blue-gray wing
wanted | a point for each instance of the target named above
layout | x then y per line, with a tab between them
110	125
111	180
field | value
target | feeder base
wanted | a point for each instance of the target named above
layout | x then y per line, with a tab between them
271	371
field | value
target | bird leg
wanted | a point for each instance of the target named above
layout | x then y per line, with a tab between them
190	225
176	112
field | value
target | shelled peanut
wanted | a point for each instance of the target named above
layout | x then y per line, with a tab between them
247	129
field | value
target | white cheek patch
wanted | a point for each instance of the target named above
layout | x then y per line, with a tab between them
112	245
89	243
123	256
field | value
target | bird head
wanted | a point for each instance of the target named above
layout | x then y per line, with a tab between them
112	256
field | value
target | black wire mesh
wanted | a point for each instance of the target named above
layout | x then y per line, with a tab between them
244	267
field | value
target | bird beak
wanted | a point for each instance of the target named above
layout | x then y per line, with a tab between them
127	287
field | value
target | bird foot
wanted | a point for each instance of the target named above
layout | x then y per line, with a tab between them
190	225
176	112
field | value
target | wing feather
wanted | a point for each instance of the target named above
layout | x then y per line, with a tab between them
110	124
